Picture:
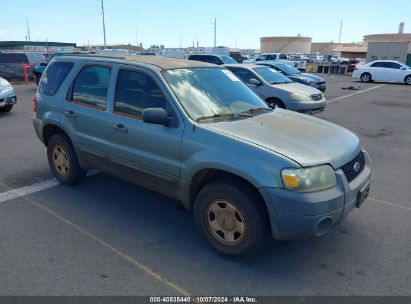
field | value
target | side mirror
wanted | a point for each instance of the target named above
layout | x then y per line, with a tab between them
157	116
254	81
402	68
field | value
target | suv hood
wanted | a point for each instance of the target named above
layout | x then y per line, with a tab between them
307	140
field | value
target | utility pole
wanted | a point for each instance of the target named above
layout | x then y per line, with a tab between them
104	24
28	28
215	32
339	37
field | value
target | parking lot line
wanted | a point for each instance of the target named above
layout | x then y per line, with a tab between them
106	245
389	203
356	93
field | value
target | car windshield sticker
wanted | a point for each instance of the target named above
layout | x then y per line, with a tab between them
230	75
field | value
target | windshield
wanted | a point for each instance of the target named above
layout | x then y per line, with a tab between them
212	92
287	69
271	76
227	59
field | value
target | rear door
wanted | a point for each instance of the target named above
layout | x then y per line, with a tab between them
147	154
86	111
377	71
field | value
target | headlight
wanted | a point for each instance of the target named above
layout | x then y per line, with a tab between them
308	80
309	179
4	85
299	96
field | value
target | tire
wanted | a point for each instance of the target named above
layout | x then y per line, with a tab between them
274	101
231	217
408	80
366	77
6	108
63	161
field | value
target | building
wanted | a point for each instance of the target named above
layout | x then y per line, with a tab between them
324	48
286	44
356	51
388	46
41	46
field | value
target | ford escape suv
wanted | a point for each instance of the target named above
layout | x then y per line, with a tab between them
195	132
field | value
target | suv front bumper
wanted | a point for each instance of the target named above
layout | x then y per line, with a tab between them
296	215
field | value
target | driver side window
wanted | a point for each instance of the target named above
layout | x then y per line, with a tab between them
135	92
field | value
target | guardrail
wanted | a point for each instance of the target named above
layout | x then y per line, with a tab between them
328	68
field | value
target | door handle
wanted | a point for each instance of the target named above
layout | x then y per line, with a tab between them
70	114
120	127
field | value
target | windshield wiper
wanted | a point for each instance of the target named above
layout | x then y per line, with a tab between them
256	109
222	115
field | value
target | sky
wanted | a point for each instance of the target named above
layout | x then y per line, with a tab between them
177	23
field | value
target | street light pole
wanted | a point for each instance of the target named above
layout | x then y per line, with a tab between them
104	24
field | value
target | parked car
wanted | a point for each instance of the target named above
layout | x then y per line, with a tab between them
211	58
237	56
283	57
11	63
278	90
383	70
337	59
39	69
171	125
115	52
147	53
7	96
355	63
296	75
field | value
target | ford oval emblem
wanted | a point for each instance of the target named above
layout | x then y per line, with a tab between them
357	167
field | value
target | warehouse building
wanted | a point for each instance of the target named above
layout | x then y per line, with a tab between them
286	44
388	46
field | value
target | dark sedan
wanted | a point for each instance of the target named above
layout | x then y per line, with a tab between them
297	76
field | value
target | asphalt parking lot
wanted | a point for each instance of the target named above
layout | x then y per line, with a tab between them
109	237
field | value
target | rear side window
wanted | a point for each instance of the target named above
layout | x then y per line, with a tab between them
53	77
283	56
135	92
90	86
378	65
13	58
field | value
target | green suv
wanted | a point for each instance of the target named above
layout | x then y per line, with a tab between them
195	132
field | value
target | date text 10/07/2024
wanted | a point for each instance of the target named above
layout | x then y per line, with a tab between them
238	299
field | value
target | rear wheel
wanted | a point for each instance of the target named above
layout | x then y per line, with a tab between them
231	218
365	77
63	160
408	80
276	102
6	108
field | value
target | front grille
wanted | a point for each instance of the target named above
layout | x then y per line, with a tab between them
348	168
317	97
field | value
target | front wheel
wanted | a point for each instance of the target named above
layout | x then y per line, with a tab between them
231	217
63	160
276	102
365	77
408	80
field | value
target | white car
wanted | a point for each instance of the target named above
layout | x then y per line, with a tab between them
337	59
383	70
7	96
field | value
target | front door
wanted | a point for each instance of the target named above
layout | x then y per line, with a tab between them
147	154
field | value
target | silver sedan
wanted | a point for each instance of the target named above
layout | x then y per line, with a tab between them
276	89
7	96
